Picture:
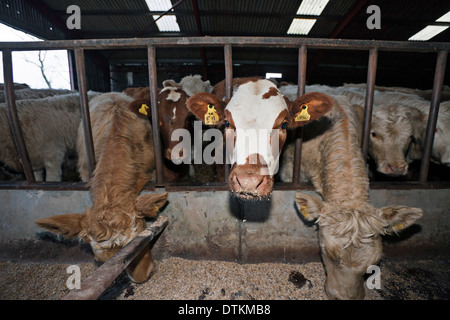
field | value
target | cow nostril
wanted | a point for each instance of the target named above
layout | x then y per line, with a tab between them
260	182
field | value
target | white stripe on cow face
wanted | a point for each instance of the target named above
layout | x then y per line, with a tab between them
254	108
173	95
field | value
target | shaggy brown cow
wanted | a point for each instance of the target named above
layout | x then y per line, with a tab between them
123	146
350	228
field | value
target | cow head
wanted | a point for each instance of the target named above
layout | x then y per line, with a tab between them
173	115
256	120
395	133
350	239
108	229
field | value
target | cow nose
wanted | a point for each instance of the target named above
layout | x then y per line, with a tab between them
399	170
250	184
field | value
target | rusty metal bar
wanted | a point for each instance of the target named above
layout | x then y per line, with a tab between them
371	75
13	117
302	55
94	285
276	42
228	52
85	116
152	75
439	74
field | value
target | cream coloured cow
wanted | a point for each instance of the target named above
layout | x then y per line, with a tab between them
350	228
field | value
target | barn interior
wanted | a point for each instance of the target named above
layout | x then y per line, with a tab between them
209	225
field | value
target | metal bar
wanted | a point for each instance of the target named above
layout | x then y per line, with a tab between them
71	71
439	74
302	55
152	73
85	116
276	42
13	117
198	22
228	53
94	285
371	74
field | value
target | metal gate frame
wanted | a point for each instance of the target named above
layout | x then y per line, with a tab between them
151	44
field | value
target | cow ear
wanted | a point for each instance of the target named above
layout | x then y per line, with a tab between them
68	225
148	205
207	107
399	217
309	108
141	108
309	206
170	83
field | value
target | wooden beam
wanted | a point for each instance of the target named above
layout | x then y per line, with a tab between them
94	285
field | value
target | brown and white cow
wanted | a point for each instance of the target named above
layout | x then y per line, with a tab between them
123	147
350	228
256	108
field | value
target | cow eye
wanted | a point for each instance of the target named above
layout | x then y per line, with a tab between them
284	125
227	124
373	134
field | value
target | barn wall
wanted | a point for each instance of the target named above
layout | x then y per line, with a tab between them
214	226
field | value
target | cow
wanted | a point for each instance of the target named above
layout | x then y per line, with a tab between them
49	126
173	115
28	93
191	84
123	145
350	227
258	108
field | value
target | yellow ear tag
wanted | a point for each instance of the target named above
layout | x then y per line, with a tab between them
304	211
211	116
143	109
303	115
398	226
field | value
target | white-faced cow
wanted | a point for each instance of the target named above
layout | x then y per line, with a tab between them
350	228
124	154
256	110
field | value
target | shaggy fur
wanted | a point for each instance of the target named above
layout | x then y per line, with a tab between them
350	227
124	154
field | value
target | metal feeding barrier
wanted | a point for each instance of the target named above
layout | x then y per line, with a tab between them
151	44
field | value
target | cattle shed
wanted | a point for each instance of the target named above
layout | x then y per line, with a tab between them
121	44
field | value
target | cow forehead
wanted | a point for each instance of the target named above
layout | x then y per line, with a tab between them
256	104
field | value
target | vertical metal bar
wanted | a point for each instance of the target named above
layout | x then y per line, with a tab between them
228	71
228	93
152	75
85	116
71	72
13	117
302	53
371	75
433	114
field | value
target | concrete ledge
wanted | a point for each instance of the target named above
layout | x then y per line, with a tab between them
215	225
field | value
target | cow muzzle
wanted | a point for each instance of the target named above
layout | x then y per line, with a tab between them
248	182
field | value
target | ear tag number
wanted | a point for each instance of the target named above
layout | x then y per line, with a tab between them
303	115
211	116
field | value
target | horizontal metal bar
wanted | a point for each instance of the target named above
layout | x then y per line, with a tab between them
280	42
185	187
94	285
